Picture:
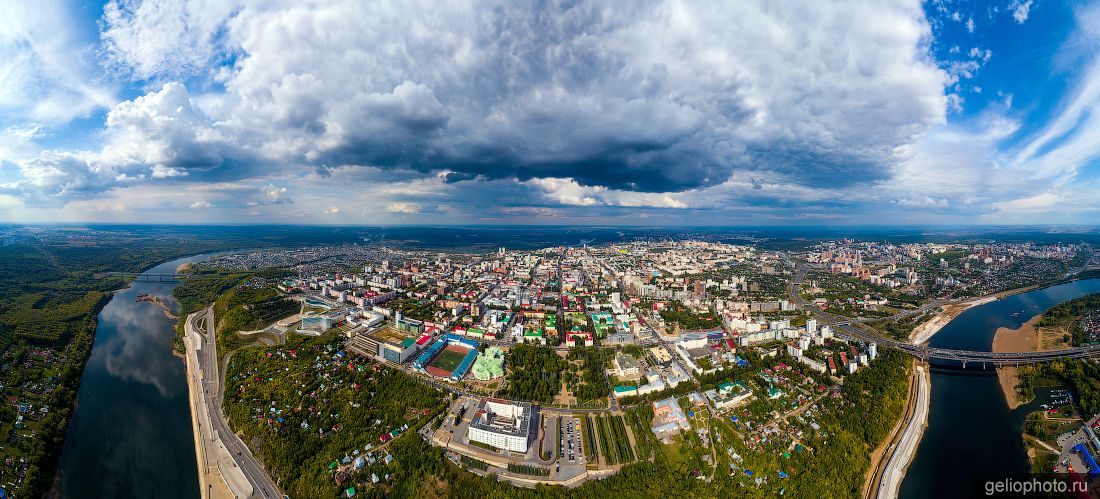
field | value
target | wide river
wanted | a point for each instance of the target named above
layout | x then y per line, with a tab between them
970	428
131	433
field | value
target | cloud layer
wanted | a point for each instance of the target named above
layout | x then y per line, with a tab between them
405	110
660	97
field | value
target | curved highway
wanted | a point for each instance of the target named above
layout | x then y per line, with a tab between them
203	323
852	330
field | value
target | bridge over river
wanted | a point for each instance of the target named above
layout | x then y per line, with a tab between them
145	277
854	331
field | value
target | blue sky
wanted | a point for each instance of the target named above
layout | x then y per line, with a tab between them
648	113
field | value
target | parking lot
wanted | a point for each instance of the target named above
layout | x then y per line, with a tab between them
570	441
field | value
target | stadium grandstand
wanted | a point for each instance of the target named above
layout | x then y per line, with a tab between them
449	357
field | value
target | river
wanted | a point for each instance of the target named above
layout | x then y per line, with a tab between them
970	428
131	433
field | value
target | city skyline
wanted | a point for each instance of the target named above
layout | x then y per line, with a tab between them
658	113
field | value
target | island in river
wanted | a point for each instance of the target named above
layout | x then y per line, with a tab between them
1029	337
1052	329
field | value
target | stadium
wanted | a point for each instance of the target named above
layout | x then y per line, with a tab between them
449	357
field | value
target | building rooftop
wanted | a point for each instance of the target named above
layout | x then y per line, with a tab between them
626	361
391	335
505	417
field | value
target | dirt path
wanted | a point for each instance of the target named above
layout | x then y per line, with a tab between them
1045	445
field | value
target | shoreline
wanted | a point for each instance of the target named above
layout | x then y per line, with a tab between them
904	444
1022	339
1026	338
926	330
872	480
164	306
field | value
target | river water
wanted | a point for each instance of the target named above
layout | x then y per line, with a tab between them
970	428
131	433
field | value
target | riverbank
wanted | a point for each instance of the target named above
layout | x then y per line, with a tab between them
130	377
902	448
1027	338
219	475
874	473
159	302
948	313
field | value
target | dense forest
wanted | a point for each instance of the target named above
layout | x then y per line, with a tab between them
1082	376
534	373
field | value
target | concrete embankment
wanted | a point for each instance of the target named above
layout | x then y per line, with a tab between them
904	450
218	474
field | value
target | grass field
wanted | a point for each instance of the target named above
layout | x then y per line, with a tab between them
449	359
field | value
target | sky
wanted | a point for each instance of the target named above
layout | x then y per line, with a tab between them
753	112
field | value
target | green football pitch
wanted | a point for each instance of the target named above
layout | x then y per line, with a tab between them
448	360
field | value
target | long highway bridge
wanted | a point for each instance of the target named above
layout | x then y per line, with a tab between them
138	276
850	330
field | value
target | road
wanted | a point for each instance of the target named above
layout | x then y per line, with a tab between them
201	324
851	330
902	453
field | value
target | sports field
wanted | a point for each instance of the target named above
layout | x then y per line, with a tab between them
449	358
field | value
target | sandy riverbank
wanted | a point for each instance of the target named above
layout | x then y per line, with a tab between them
1027	338
164	306
183	267
926	330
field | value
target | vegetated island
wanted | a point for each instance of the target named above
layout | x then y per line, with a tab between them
1074	322
1061	326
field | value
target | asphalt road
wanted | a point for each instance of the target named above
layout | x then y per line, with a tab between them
212	391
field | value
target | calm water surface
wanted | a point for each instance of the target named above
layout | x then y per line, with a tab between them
970	428
131	433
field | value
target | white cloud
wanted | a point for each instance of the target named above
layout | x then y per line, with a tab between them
164	131
1044	201
402	207
47	69
331	211
165	38
201	204
271	195
500	91
1020	10
161	171
923	202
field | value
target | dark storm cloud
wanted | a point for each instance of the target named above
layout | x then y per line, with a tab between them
652	96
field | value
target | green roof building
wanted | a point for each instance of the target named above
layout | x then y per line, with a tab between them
489	364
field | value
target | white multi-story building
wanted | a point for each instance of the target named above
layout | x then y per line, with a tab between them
503	424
